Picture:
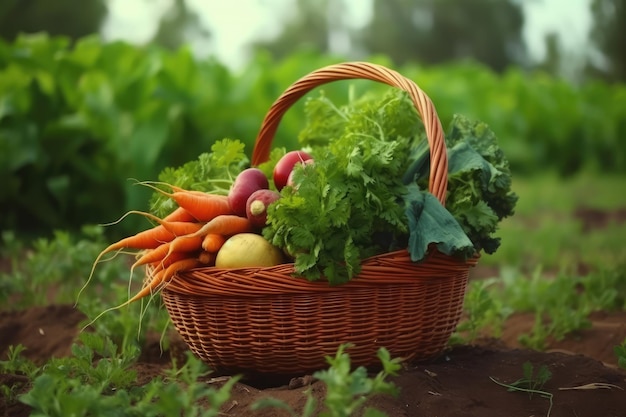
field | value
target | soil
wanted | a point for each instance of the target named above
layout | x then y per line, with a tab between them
461	382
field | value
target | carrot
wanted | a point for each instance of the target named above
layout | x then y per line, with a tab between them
226	225
212	242
185	243
147	239
156	283
179	215
202	206
177	228
162	277
207	258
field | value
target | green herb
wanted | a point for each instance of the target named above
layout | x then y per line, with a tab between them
349	203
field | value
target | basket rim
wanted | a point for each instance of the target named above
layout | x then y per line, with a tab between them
391	268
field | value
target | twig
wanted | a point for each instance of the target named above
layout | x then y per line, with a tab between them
593	385
544	394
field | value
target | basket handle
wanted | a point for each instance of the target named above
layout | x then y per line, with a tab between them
438	179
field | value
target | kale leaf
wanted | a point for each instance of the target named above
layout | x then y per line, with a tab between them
479	181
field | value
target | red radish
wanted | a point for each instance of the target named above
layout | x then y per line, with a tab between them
290	178
285	165
248	181
256	206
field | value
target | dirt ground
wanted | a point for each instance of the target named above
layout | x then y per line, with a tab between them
457	384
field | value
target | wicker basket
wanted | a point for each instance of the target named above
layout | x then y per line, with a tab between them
263	320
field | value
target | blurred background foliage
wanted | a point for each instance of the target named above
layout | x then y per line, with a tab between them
79	115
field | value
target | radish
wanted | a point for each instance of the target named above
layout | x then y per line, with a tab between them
247	182
285	165
256	206
290	178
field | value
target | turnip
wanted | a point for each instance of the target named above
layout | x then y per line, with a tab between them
256	206
285	165
246	250
248	181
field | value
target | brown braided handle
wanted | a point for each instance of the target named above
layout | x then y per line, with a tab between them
438	179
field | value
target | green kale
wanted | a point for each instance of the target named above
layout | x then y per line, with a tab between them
431	224
479	181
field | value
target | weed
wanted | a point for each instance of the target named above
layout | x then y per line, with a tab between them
482	310
531	383
346	391
99	380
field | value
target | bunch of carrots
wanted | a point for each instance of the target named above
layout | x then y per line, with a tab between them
187	238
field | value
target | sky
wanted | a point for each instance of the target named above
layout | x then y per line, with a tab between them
234	23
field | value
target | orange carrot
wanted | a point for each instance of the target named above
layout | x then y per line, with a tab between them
147	239
179	215
156	283
162	277
177	228
226	225
212	242
186	243
207	258
202	206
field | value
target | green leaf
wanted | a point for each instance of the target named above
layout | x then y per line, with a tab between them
430	222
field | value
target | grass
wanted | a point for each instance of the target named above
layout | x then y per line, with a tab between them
544	231
538	272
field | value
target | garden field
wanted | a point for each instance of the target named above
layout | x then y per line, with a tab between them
547	313
543	330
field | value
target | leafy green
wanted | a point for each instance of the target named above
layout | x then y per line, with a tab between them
479	190
213	171
366	193
430	223
479	180
351	195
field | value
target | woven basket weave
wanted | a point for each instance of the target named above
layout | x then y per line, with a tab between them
264	320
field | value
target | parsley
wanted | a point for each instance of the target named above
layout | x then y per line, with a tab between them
353	194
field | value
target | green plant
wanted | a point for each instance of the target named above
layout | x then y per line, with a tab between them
347	391
98	379
482	311
21	368
531	382
16	363
37	270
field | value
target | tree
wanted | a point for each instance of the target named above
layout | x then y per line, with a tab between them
609	34
178	25
309	25
436	31
71	18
